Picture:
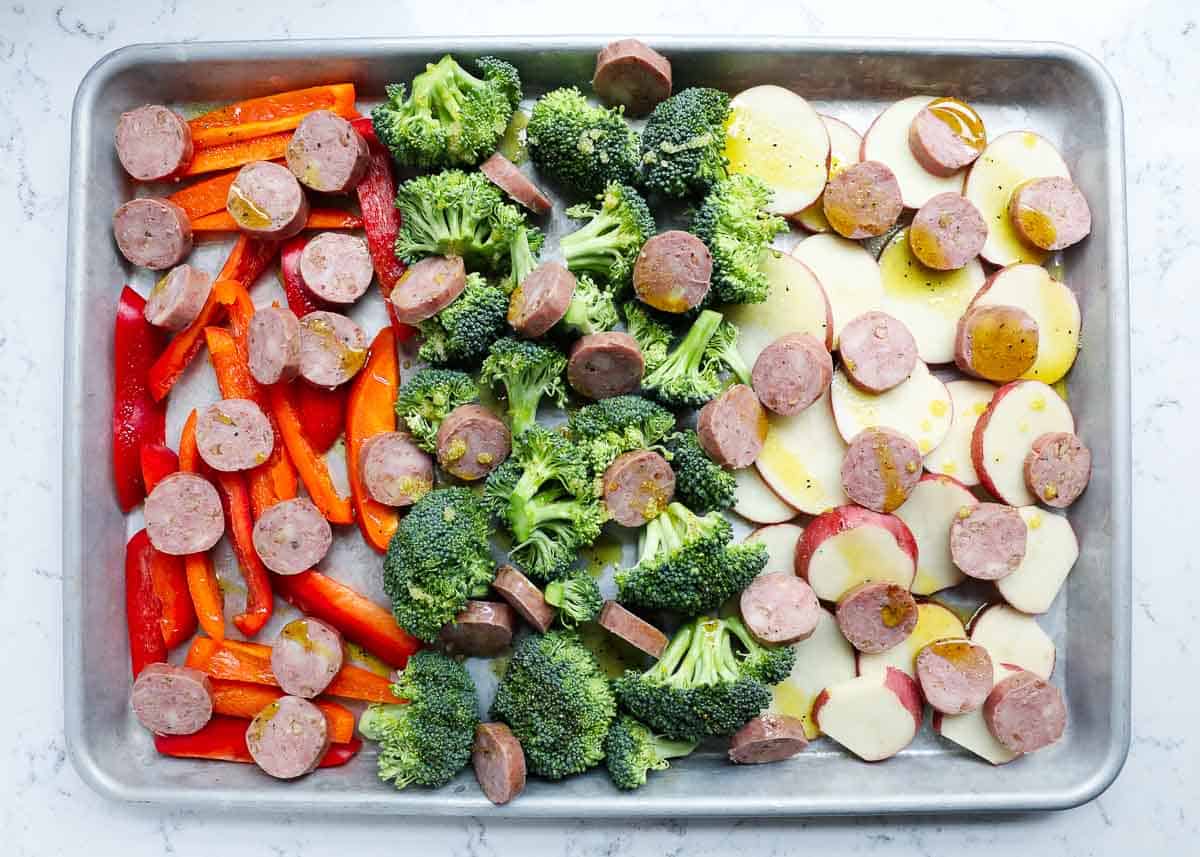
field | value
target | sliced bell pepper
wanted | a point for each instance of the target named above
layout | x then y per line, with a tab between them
371	411
243	699
318	218
223	739
299	299
239	153
158	462
256	117
138	418
205	196
177	615
143	613
313	470
202	583
239	526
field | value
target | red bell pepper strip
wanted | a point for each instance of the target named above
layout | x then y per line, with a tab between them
299	299
158	462
243	699
177	615
202	583
372	411
143	613
138	418
239	526
314	472
223	739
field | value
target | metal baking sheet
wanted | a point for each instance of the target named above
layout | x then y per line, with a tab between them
1054	89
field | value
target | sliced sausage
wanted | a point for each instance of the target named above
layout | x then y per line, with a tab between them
633	75
769	737
171	700
234	434
288	738
863	200
541	300
519	591
306	656
499	762
673	271
875	617
1058	468
947	232
780	608
337	267
332	348
395	470
266	201
997	343
178	297
428	287
153	143
881	468
632	629
946	136
878	351
637	486
1051	213
472	442
183	515
791	373
602	365
1025	713
273	340
152	233
955	675
733	427
482	629
987	540
292	536
327	154
505	175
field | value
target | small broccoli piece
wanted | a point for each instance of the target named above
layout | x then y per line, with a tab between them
591	310
631	751
609	243
683	143
686	378
503	75
576	596
464	331
557	702
522	259
609	427
732	223
428	397
702	484
654	335
426	739
722	348
581	146
528	372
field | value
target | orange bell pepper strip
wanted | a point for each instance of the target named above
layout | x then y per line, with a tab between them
257	117
223	739
205	196
242	699
318	218
239	526
314	472
371	411
272	147
202	583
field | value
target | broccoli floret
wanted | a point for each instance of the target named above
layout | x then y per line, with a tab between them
702	484
732	223
576	596
426	739
688	377
654	336
522	259
609	427
428	397
464	331
683	143
557	702
581	146
528	372
631	751
609	243
723	349
451	117
591	310
438	557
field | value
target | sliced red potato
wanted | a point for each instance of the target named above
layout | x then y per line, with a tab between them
796	303
801	458
887	141
929	511
850	545
824	659
934	622
952	457
1050	553
919	407
754	500
780	541
844	146
1018	414
848	274
1013	637
874	717
970	731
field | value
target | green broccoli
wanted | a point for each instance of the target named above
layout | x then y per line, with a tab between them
683	143
528	372
558	703
426	739
632	750
609	427
609	243
732	223
702	484
428	397
654	335
576	596
591	310
723	349
691	373
522	260
463	332
581	146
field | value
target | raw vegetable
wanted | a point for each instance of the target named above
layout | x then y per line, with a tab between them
608	244
377	201
270	114
318	218
311	466
737	230
581	146
369	412
143	613
528	372
177	617
138	418
702	484
244	699
157	462
462	332
202	583
223	739
577	598
205	196
610	427
632	750
271	147
691	373
683	143
239	526
428	397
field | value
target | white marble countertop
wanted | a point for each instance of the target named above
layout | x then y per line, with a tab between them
1152	50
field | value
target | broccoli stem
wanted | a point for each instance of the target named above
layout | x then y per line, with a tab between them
591	248
685	359
671	749
523	261
677	649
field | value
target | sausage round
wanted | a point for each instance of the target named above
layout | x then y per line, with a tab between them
863	200
769	737
183	515
875	617
499	762
955	675
632	629
306	656
633	75
880	469
520	592
153	143
637	486
505	175
482	629
1058	468
472	442
1051	213
878	351
947	232
152	233
337	267
273	340
673	271
780	608
178	297
266	201
733	427
327	154
171	700
997	343
791	373
1025	713
946	136
292	536
234	434
602	365
288	738
332	348
541	300
987	540
428	287
395	470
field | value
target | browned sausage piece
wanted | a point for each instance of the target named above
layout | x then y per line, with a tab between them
863	200
673	271
234	434
878	351
327	154
1025	713
472	442
395	470
541	300
632	629
881	468
266	201
171	700
178	297
947	232
288	738
637	486
987	540
332	348
499	762
1050	213
607	364
779	608
482	629
183	515
946	136
997	343
428	287
733	427
152	233
273	340
875	617
337	267
769	737
292	536
955	675
791	373
306	656
633	75
1058	468
153	143
519	591
505	175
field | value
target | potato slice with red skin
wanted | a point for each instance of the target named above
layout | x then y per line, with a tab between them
1051	550
931	508
844	146
970	731
848	274
873	717
1013	637
887	141
850	545
802	457
754	500
823	660
919	407
1018	415
780	541
952	457
796	303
